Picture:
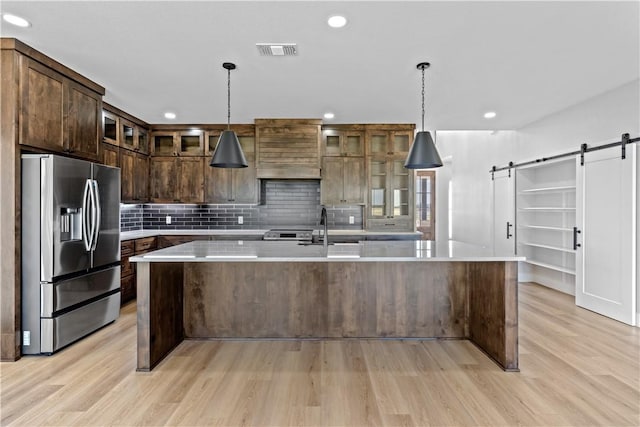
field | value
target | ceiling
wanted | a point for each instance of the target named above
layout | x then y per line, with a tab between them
524	60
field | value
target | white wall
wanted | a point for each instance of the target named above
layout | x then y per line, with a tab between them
468	156
598	120
472	153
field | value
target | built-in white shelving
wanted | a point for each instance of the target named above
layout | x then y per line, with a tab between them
553	267
544	227
550	189
545	217
554	248
549	208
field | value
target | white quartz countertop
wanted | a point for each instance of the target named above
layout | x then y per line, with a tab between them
138	234
287	251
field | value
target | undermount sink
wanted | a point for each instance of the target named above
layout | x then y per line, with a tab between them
313	243
319	243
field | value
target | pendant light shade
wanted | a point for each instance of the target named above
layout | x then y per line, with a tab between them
228	152
423	153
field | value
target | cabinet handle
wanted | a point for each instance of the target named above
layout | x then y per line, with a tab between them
509	225
576	245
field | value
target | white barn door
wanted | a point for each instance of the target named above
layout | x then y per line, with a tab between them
504	213
606	218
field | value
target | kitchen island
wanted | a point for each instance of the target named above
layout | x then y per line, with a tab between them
370	289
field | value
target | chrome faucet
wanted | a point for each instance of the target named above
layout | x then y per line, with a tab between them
323	221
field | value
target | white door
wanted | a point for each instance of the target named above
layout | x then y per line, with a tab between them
606	218
504	213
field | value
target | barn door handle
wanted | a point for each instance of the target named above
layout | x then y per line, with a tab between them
576	245
509	225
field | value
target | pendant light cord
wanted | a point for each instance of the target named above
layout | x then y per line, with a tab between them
229	98
423	99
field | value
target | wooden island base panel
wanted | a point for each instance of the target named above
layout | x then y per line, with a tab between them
330	298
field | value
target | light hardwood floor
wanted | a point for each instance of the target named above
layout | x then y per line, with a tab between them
577	369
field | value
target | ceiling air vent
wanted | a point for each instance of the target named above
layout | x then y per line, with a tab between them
277	49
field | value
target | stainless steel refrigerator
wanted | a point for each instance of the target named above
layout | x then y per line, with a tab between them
70	250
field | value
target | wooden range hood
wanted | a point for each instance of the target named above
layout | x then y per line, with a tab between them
288	148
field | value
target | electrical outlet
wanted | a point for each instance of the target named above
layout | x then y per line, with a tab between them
352	219
168	219
26	338
240	220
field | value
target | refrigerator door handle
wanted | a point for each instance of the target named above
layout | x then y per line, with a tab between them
93	214
98	213
86	238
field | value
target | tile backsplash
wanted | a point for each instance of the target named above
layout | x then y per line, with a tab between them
284	203
131	217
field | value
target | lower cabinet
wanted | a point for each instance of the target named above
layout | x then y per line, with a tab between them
127	272
129	248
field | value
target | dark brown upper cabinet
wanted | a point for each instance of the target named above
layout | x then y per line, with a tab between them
343	180
185	143
343	141
176	179
110	128
58	114
384	140
231	185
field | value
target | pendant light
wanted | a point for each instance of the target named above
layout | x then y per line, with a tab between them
228	152
423	153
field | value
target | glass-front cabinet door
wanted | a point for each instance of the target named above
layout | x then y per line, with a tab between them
389	142
401	142
110	128
191	143
399	188
390	195
342	142
143	140
127	133
163	144
378	143
332	143
377	188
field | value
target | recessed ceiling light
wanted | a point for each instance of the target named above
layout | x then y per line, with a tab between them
15	20
169	115
329	115
337	21
489	114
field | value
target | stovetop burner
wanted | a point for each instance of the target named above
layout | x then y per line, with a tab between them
299	234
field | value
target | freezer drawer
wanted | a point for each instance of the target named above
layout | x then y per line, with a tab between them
63	330
60	295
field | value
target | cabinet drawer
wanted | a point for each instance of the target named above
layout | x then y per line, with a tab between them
390	224
127	248
145	245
